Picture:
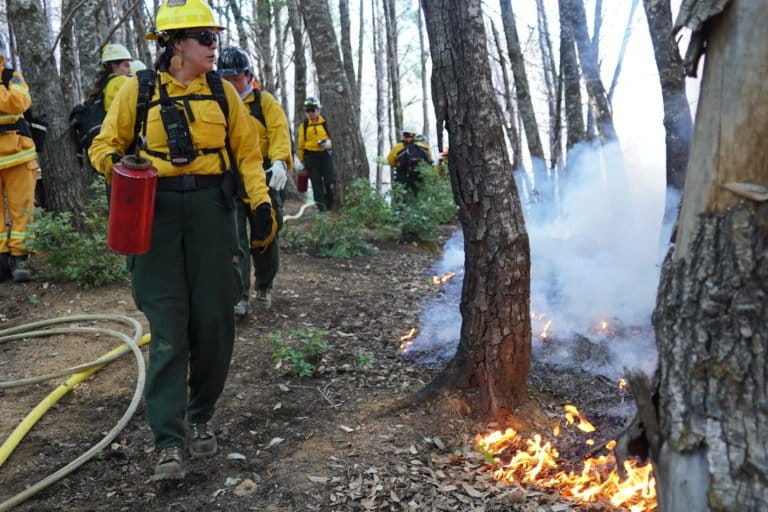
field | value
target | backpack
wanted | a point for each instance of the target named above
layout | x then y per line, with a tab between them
409	157
85	121
256	107
30	125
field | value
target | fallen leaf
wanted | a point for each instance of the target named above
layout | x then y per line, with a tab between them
230	481
472	491
318	479
275	441
283	387
346	428
236	456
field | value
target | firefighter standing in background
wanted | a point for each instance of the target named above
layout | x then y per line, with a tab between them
275	139
18	173
314	150
189	281
405	156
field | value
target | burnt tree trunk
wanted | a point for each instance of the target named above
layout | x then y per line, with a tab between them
64	183
346	49
349	158
677	115
707	429
495	347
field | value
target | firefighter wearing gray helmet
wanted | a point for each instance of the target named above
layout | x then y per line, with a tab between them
271	123
315	151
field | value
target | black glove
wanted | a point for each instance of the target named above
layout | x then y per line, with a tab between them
261	223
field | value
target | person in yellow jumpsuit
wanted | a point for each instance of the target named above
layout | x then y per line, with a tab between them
271	124
18	173
189	282
315	151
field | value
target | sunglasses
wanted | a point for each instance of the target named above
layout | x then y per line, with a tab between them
311	110
204	37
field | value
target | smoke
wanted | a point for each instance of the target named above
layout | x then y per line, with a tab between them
595	270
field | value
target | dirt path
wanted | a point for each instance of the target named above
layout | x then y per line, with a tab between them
285	443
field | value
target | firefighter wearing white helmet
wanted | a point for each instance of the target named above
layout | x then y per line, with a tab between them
115	68
136	66
18	172
405	156
188	284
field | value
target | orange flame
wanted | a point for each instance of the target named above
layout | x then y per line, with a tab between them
572	413
544	331
536	461
407	340
444	278
622	383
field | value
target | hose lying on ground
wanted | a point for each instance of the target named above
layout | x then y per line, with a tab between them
84	371
300	212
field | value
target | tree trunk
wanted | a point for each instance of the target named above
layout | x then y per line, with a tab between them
299	64
349	158
495	346
141	26
70	83
242	31
346	49
91	25
524	102
360	52
264	25
381	90
393	66
591	71
677	115
623	48
574	114
64	183
423	56
708	445
511	126
551	81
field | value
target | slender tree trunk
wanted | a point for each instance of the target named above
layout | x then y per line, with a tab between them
242	30
141	28
677	115
623	49
299	64
70	83
511	126
282	73
591	70
574	114
346	48
495	345
423	56
524	102
381	89
65	186
264	25
360	53
393	66
349	157
706	423
91	25
551	81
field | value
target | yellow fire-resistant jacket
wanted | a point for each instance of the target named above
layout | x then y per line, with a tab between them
275	138
315	133
110	90
14	101
209	130
397	148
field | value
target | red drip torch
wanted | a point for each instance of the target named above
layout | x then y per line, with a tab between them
132	207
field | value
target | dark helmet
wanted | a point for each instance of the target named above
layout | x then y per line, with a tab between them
233	61
312	102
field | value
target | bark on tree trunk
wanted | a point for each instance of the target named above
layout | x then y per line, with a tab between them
264	25
91	25
142	27
360	52
708	447
242	31
552	82
346	49
423	56
299	64
70	83
381	90
495	345
393	68
574	114
64	183
677	115
349	158
511	126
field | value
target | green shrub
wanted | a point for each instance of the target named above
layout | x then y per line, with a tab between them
420	217
80	255
301	349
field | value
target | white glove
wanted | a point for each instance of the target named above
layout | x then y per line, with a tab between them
279	176
325	143
297	165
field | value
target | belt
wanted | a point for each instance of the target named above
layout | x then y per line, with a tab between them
189	182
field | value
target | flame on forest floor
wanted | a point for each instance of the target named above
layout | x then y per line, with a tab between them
622	383
536	461
443	278
406	341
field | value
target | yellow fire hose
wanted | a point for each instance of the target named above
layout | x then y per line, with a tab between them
81	372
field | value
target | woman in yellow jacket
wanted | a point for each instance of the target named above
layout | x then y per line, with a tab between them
115	68
314	149
188	282
18	172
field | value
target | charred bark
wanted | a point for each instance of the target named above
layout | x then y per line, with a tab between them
349	157
495	345
709	450
63	182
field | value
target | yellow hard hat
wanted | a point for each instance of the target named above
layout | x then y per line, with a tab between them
182	14
112	52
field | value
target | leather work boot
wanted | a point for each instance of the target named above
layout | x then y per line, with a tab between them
243	308
202	440
170	465
263	298
20	269
5	266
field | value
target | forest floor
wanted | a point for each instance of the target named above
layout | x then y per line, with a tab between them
332	441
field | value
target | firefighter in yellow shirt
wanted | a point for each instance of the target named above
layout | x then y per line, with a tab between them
272	126
189	282
404	158
116	66
18	172
315	151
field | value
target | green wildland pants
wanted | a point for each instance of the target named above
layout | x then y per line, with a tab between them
267	263
187	286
